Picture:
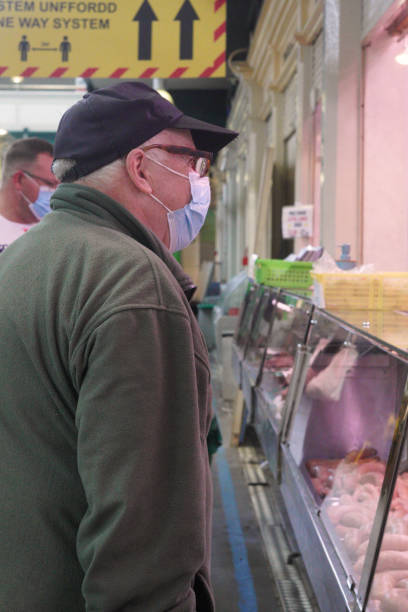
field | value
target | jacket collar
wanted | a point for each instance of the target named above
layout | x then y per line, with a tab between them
88	202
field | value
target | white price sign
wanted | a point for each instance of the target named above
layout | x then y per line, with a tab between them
297	221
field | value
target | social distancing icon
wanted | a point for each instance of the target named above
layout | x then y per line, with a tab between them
24	47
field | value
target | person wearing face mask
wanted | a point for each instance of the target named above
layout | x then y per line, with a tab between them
106	404
27	184
185	223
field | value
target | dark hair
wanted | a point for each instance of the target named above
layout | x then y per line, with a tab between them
23	152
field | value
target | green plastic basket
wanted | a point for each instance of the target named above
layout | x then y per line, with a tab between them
284	274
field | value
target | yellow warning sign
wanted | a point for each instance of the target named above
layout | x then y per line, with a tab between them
113	39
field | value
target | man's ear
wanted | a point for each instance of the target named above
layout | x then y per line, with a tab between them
16	178
135	166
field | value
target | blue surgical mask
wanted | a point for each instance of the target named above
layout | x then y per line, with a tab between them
185	223
41	206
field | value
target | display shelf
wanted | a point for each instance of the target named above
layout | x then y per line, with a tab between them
327	575
289	327
260	331
256	345
341	439
391	327
243	328
273	391
268	435
236	364
329	406
245	321
249	374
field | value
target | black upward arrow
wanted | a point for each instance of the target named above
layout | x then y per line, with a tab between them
186	16
145	16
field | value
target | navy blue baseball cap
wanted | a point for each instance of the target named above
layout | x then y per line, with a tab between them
108	123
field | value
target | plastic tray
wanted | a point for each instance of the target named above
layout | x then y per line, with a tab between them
284	274
353	291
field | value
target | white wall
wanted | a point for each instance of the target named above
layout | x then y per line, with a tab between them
37	111
385	165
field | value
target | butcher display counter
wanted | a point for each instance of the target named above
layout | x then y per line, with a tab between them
344	465
284	327
388	325
256	343
242	329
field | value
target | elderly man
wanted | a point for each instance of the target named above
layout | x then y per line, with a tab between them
105	398
26	186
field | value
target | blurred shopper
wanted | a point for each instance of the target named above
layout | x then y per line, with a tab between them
27	184
105	398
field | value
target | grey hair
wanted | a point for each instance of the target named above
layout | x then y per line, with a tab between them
99	179
62	168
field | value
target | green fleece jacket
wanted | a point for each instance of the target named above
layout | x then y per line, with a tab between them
105	405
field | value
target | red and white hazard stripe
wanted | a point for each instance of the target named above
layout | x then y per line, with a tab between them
178	72
86	74
29	71
118	73
211	69
218	4
58	73
220	30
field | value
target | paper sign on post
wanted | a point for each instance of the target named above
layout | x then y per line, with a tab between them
297	221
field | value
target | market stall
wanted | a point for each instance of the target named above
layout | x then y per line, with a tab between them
329	404
243	328
262	319
278	367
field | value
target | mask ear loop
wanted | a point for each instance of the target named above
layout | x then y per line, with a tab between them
170	221
159	202
170	170
33	181
29	202
30	178
167	168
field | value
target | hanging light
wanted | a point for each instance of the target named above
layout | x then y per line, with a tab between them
166	94
158	85
402	58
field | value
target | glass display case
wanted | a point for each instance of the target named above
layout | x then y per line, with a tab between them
388	325
336	470
246	314
382	559
330	403
259	334
241	330
287	330
257	341
245	324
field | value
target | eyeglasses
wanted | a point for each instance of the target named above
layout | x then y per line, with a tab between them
201	160
51	184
